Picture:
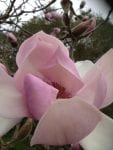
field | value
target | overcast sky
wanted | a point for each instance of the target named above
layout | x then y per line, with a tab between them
97	6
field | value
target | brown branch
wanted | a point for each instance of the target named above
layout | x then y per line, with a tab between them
15	12
9	9
33	11
49	4
25	31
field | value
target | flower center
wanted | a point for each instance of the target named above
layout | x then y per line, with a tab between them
62	91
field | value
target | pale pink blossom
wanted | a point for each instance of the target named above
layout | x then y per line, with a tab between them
85	18
12	39
52	16
56	31
84	28
46	70
91	27
64	97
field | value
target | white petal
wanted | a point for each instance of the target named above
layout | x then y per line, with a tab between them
12	102
7	124
83	67
102	136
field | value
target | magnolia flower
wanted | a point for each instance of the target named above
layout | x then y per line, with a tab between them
52	16
12	39
91	27
59	94
64	97
84	28
56	31
85	18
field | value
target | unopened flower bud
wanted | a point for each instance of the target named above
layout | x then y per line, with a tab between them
85	18
48	16
81	28
91	27
82	4
52	16
66	5
56	31
56	15
12	39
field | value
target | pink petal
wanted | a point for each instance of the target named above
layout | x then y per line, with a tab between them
2	66
41	45
33	56
101	138
39	95
58	68
23	70
66	122
12	104
62	70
